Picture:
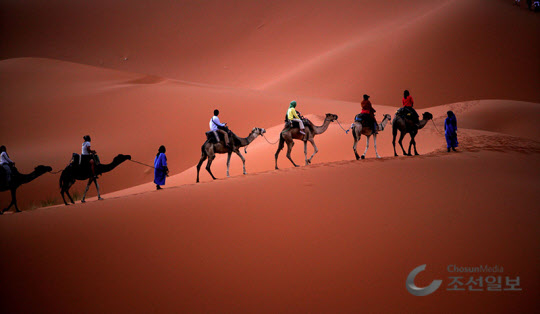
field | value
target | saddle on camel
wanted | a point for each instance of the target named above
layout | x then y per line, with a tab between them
367	116
212	139
87	161
295	124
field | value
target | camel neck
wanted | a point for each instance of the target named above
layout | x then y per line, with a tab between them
384	122
246	141
25	178
102	168
321	129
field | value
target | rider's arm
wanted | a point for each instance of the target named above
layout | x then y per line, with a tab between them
218	122
90	150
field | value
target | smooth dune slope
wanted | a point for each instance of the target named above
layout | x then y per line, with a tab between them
50	104
443	50
332	237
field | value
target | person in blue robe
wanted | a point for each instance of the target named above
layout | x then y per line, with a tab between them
161	171
450	131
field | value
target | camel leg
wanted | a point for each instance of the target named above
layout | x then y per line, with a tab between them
394	134
70	199
413	140
86	190
410	144
400	141
243	160
375	145
14	200
203	158
289	149
13	197
367	146
229	153
62	192
315	149
65	189
356	139
305	153
208	164
280	147
97	188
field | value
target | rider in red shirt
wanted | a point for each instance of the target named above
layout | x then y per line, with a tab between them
408	103
367	108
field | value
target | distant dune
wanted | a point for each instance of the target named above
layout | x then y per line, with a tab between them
442	50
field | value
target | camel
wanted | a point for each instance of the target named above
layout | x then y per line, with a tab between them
73	173
358	130
288	135
209	150
407	126
18	179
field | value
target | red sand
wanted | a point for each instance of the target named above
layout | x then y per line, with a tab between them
442	50
339	235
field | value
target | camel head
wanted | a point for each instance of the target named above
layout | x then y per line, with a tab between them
387	116
258	131
42	169
331	117
427	116
121	158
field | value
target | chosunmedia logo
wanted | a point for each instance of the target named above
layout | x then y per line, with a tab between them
461	283
420	292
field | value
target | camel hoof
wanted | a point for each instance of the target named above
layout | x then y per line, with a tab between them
379	157
395	155
100	199
363	157
416	154
83	201
18	211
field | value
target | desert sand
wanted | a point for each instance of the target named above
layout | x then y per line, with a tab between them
339	235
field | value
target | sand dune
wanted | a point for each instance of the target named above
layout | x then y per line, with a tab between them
331	237
133	114
442	50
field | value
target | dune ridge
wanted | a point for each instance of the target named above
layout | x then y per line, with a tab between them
264	44
176	114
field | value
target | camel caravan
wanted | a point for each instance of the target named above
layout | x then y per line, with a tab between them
221	140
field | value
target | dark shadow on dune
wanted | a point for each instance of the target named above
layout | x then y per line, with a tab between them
147	79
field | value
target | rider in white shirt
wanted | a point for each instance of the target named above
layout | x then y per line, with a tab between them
87	155
5	162
215	125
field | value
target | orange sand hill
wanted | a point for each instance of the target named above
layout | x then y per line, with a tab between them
332	237
58	102
443	50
